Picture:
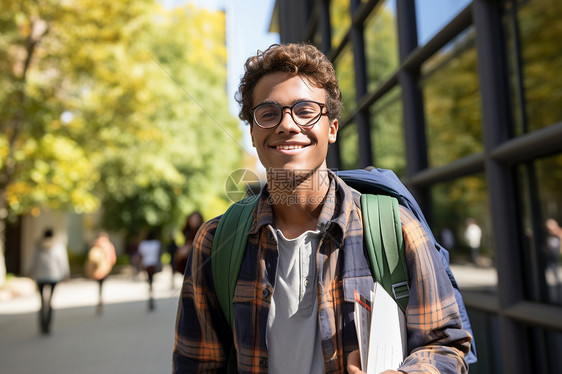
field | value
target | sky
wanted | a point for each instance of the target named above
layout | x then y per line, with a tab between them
247	25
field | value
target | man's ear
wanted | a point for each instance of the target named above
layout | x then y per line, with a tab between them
333	131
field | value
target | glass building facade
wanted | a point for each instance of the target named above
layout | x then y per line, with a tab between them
463	100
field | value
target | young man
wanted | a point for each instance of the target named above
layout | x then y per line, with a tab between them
293	302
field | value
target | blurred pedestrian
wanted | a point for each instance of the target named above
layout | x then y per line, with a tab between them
553	250
49	266
448	238
149	252
473	236
132	250
100	262
192	225
180	253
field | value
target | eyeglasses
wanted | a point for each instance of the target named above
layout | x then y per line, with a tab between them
304	113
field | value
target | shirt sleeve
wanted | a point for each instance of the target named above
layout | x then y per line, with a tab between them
202	331
436	341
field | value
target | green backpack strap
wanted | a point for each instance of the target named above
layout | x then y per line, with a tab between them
229	246
382	233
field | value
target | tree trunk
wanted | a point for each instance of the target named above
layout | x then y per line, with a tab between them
39	29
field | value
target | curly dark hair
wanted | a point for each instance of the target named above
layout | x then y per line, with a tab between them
296	59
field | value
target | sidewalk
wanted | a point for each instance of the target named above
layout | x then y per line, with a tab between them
126	338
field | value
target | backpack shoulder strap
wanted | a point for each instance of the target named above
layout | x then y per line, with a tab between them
229	246
382	233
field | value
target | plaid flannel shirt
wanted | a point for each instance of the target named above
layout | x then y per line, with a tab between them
436	341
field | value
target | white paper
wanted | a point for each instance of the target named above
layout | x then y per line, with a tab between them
387	346
362	325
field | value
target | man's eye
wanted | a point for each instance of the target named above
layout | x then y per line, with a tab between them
266	114
306	111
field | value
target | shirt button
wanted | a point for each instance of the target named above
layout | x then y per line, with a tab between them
265	293
270	235
306	282
262	362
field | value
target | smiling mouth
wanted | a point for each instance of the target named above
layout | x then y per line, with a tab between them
289	147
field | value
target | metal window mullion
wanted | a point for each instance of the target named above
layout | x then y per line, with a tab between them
312	23
416	57
412	102
293	18
537	265
325	29
501	181
362	119
539	143
333	159
364	10
463	167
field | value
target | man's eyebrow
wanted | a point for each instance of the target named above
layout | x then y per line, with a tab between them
298	100
269	102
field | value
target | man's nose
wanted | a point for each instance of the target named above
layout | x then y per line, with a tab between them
287	123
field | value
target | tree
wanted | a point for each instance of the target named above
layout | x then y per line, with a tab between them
119	103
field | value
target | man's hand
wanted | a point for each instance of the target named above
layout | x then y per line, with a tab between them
354	364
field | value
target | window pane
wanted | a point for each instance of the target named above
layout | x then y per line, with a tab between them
545	351
540	183
486	333
452	102
340	18
456	206
349	146
433	15
388	133
381	45
540	30
346	75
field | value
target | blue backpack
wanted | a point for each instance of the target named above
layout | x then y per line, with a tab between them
381	192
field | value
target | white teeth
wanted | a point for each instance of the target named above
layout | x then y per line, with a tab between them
289	147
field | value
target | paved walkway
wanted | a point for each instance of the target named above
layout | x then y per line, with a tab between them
126	338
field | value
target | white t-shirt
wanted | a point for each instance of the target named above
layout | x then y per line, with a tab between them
473	235
150	252
293	333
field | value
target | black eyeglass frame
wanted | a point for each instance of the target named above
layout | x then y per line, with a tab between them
307	126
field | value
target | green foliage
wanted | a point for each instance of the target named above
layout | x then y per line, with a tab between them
453	103
540	30
381	48
388	133
114	104
348	139
340	13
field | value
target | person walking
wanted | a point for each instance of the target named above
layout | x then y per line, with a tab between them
49	266
100	262
553	250
473	236
149	252
192	225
